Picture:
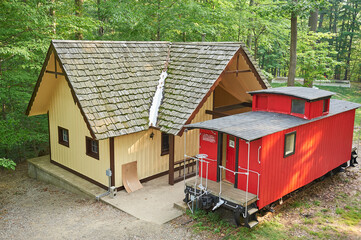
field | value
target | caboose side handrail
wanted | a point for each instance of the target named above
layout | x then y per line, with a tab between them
258	176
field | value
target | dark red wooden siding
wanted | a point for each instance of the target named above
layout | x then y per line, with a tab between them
282	104
208	141
253	165
320	147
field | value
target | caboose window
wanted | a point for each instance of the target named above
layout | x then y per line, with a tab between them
298	106
290	143
325	105
164	144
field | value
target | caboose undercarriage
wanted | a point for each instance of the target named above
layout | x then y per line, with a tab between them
222	194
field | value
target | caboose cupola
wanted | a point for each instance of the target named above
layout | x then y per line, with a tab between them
307	103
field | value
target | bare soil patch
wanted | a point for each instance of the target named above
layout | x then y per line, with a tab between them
30	209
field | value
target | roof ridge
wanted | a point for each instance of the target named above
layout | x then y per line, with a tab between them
101	41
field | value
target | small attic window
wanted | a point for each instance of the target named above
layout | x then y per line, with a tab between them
92	147
63	136
164	144
298	106
290	143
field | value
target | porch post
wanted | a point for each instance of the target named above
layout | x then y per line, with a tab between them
219	154
236	163
112	165
171	160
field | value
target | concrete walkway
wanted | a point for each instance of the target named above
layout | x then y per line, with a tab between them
153	203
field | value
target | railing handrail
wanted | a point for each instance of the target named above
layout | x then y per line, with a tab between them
257	179
249	170
195	158
221	167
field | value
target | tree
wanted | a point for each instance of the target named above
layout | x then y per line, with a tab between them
293	49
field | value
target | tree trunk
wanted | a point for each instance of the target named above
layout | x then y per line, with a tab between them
79	13
100	18
52	17
250	36
158	22
320	22
312	20
293	51
352	27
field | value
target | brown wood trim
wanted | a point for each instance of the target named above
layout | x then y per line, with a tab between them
232	107
179	179
218	114
79	174
40	78
171	160
75	98
49	134
181	161
147	179
56	73
252	67
56	68
238	71
111	155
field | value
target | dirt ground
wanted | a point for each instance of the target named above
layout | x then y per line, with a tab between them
30	209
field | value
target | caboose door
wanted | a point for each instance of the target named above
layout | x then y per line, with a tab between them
230	159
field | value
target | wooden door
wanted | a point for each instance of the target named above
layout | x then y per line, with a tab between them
231	156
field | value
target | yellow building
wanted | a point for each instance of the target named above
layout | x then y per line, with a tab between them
98	96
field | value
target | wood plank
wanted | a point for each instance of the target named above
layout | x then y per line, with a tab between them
56	73
238	71
219	114
232	107
229	193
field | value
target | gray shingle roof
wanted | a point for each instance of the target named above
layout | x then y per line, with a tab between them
250	126
115	81
309	94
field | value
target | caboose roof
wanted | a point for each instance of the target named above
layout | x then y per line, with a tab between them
250	126
309	94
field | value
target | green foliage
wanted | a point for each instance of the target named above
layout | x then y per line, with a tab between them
314	56
264	25
7	163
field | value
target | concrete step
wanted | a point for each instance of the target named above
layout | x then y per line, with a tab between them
252	224
252	211
181	206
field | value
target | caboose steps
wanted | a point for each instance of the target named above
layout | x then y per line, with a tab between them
252	224
252	211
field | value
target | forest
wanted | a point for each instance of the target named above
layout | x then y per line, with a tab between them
312	39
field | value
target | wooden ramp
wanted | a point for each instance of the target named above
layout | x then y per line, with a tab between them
229	193
130	177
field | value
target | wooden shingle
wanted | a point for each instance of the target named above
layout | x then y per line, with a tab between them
115	81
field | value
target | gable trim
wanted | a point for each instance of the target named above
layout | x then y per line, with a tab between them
242	52
40	78
75	98
253	68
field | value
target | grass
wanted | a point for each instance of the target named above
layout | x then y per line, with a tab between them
300	217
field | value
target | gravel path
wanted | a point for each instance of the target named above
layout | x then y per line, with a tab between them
30	209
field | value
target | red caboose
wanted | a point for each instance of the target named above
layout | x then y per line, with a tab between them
292	136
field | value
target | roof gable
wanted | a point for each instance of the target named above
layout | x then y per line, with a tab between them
114	82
